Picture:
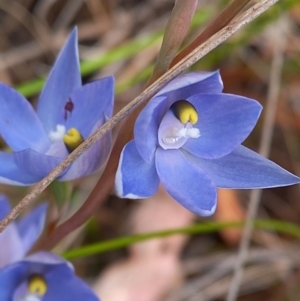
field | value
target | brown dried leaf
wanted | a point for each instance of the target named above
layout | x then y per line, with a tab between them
229	209
153	268
139	279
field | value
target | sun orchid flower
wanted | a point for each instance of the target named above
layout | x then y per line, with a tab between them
188	138
67	113
41	276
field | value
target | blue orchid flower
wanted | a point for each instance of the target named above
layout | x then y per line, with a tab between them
188	138
67	113
42	276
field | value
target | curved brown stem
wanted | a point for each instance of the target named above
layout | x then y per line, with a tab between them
231	11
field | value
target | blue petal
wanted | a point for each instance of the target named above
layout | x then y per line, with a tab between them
192	83
11	246
91	160
35	164
4	206
246	169
64	285
10	277
11	174
31	226
20	127
186	182
146	127
135	179
225	121
90	103
9	238
62	81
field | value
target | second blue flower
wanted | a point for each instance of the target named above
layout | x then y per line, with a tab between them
188	137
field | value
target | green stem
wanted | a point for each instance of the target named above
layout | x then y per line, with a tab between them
207	227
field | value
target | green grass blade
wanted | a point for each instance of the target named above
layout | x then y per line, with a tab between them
208	227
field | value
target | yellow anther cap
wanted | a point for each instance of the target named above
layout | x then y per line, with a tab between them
185	112
37	285
72	139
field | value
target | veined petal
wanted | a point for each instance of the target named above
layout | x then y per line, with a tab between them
31	226
243	168
63	79
11	174
185	85
225	121
135	178
35	164
92	159
20	127
90	103
10	277
146	127
186	182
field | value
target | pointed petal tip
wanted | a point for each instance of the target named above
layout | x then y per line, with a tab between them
245	169
218	73
186	182
73	36
288	179
196	208
109	77
75	30
207	212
